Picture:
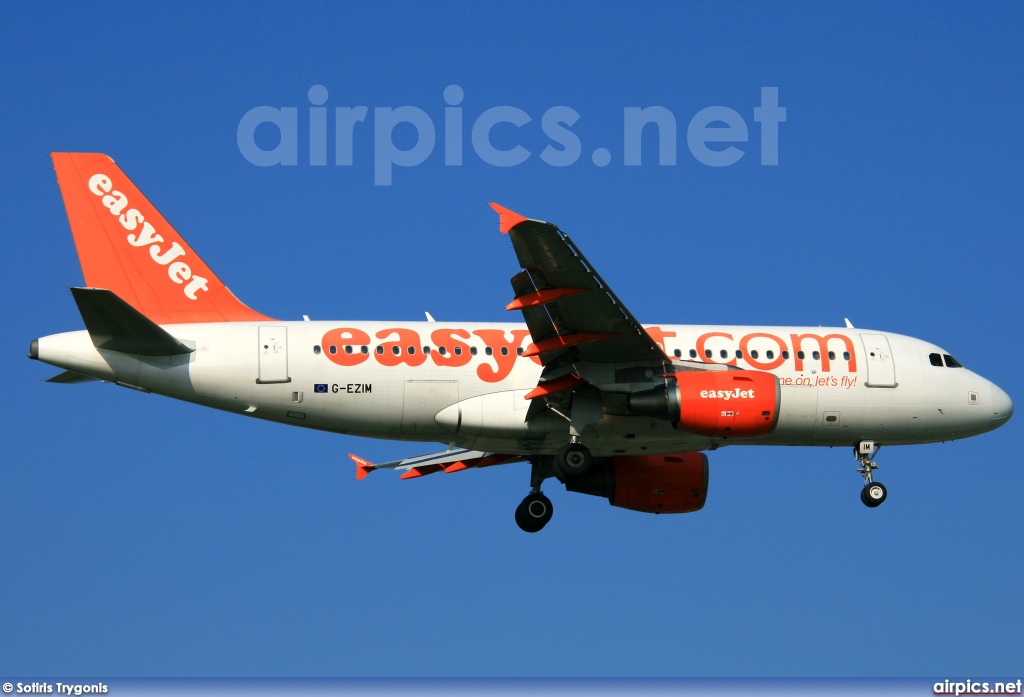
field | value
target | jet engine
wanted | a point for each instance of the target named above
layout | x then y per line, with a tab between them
723	404
648	483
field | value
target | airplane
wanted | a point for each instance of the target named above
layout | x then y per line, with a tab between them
582	390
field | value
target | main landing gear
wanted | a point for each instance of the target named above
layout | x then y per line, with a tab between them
534	512
873	493
536	509
573	461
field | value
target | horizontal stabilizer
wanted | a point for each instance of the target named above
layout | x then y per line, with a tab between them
115	325
70	377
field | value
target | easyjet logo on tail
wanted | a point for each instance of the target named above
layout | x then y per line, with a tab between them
130	218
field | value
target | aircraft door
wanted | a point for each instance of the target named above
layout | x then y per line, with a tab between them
878	355
273	350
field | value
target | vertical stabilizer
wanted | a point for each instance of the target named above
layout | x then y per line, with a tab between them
127	247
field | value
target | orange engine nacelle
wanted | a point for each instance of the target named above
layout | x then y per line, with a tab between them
648	483
723	404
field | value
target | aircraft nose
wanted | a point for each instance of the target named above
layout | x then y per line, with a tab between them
1002	406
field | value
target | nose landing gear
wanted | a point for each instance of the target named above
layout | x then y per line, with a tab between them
873	493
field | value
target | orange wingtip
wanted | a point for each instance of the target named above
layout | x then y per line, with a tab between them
363	467
507	219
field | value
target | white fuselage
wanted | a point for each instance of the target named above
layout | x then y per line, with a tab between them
839	386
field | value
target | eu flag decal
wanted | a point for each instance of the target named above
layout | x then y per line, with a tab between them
320	387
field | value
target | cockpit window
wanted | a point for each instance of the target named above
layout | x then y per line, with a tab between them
935	359
951	362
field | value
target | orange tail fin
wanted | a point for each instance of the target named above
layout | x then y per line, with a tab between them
127	247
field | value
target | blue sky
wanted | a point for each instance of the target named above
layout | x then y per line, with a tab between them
140	536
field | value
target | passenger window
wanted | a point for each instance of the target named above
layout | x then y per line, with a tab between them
753	354
800	355
334	350
707	353
426	350
519	351
472	350
846	355
785	355
723	353
316	349
831	355
488	350
951	362
348	349
504	350
364	350
739	354
412	350
395	350
816	355
442	350
380	349
693	353
769	354
677	353
458	350
935	359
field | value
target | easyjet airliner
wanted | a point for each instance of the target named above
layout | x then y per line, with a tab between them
582	391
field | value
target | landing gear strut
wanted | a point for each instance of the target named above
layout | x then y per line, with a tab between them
873	493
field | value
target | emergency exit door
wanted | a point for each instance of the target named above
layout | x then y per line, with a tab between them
273	351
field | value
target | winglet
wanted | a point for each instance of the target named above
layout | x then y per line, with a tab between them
363	467
507	219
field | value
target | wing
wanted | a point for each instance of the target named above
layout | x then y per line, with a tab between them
591	346
454	460
570	311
